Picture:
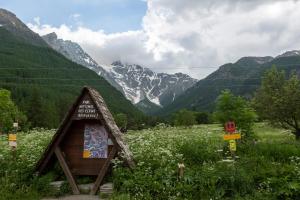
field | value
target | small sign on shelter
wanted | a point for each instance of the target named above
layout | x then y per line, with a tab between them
86	141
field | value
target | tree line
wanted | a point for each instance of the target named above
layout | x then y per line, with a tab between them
277	101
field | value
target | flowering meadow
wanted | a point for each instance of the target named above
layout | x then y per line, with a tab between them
17	168
265	168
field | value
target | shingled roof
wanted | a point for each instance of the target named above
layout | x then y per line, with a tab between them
106	119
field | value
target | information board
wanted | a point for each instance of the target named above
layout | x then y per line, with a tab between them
95	141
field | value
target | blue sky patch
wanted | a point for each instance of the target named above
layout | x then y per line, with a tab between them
108	15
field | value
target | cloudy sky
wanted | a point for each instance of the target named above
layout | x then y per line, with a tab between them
189	36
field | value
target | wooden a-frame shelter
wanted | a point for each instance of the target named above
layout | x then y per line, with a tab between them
87	120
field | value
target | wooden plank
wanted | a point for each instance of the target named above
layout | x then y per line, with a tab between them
232	136
72	146
63	128
103	171
43	162
66	170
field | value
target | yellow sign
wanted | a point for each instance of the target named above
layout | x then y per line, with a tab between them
232	136
12	137
232	145
86	154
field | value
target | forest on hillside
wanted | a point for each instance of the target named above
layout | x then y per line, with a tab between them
44	84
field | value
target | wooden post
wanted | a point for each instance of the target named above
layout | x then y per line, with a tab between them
48	156
66	170
103	171
15	126
180	170
232	148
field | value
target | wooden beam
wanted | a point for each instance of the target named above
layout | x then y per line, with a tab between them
66	170
49	152
103	171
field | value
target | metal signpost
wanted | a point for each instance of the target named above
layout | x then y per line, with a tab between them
12	139
231	135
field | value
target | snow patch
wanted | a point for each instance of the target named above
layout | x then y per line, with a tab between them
137	97
107	68
173	97
155	101
87	60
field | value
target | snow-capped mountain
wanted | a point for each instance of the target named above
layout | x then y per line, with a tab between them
72	51
141	83
137	83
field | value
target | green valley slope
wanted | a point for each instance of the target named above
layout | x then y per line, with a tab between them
44	83
242	78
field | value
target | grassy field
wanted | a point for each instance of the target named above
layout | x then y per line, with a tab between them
267	168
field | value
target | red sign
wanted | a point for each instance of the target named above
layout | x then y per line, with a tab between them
230	127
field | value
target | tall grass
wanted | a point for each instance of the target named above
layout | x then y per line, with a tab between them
265	169
268	168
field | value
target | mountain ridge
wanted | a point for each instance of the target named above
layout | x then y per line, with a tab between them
137	83
242	77
142	83
44	83
10	22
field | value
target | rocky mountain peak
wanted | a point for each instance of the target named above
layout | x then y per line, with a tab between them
117	63
9	19
130	68
10	22
290	53
7	13
252	60
140	83
71	50
50	36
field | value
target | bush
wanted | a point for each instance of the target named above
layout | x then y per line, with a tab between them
184	118
9	112
202	117
235	108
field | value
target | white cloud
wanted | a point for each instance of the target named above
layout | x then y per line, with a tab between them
76	19
37	20
194	36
